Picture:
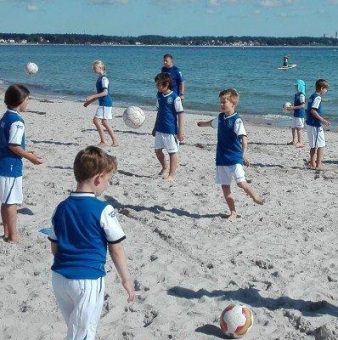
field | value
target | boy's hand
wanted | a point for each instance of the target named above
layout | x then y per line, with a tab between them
198	124
326	122
128	286
246	160
35	159
85	104
153	133
180	136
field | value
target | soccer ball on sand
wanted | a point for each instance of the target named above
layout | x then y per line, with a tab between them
286	105
236	320
133	117
31	68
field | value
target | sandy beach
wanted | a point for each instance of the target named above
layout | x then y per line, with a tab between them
187	260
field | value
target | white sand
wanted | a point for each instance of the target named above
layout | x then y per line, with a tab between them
189	262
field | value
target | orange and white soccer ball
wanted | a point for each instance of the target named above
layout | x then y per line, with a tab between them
134	117
236	320
31	68
286	105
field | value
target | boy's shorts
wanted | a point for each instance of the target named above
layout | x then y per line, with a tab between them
80	302
225	174
104	112
166	141
315	136
11	190
298	123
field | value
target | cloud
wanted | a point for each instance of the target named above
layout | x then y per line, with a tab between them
32	7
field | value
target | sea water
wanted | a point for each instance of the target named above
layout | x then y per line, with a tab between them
65	70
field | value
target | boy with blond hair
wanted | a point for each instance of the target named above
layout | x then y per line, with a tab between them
231	152
83	228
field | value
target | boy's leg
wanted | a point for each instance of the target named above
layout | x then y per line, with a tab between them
319	160
8	214
249	191
293	142
299	143
313	154
98	123
161	157
110	131
81	304
230	201
172	166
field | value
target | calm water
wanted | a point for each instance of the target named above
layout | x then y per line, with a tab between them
66	71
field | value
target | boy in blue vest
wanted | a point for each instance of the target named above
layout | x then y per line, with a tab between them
298	108
12	150
104	112
231	152
169	125
83	228
314	121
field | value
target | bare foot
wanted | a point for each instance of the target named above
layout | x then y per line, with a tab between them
319	168
170	178
299	145
233	216
102	144
115	144
291	143
259	200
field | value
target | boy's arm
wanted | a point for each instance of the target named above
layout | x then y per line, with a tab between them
53	247
203	123
118	256
30	155
95	96
244	141
315	114
180	134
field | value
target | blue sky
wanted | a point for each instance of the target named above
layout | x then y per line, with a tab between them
171	17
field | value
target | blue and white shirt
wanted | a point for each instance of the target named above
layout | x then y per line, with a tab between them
176	77
230	129
314	102
12	132
82	227
168	107
102	84
299	100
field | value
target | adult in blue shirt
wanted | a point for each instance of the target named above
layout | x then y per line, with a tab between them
175	74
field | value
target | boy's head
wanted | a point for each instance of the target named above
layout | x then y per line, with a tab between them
16	95
322	86
300	86
168	60
229	100
163	82
93	161
98	66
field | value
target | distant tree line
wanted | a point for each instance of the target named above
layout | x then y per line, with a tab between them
43	38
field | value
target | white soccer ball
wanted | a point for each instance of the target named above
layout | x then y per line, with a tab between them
133	117
286	105
236	320
31	68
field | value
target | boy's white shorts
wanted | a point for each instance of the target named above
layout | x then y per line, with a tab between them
315	135
298	123
104	112
80	302
225	174
166	141
11	190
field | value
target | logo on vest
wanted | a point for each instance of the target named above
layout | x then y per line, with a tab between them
170	100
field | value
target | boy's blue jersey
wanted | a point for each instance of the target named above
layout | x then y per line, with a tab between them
169	106
229	148
176	77
102	84
310	119
299	100
10	163
81	239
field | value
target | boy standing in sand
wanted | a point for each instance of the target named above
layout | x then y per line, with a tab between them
12	150
231	153
83	227
104	111
298	108
314	122
169	125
